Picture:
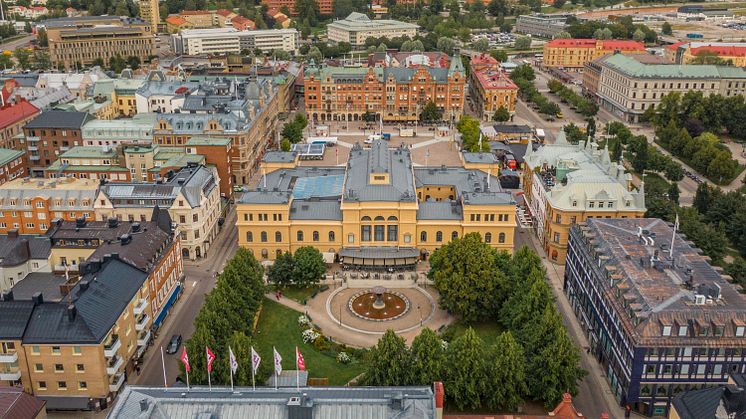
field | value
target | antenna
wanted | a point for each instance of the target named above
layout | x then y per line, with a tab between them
673	236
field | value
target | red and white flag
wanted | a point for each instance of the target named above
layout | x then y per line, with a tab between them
299	361
210	359
185	360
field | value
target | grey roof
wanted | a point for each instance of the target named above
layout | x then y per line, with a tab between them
487	158
513	129
711	403
144	249
469	184
279	157
15	315
64	230
191	181
98	308
440	210
17	250
152	88
288	379
268	403
265	197
315	210
281	183
23	79
59	120
379	159
381	252
46	283
405	74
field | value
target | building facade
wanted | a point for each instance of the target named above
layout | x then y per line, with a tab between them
232	40
89	162
566	184
150	12
80	41
628	88
116	132
325	6
13	117
378	210
659	319
13	165
545	26
357	27
706	52
574	54
51	134
490	87
29	206
394	94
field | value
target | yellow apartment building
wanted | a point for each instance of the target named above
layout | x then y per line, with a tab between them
574	54
377	211
565	184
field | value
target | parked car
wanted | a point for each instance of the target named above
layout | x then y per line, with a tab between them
173	344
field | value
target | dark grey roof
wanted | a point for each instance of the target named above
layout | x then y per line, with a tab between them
109	291
265	402
440	210
315	210
46	283
265	197
15	315
379	252
513	129
479	158
379	159
68	230
281	183
405	74
23	79
142	250
59	120
17	250
712	403
279	157
192	181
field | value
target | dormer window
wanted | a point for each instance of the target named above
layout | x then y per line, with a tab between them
682	330
666	330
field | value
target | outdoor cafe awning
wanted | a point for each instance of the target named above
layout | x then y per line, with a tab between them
379	256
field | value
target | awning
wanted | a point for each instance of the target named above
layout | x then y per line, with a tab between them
66	403
167	306
379	256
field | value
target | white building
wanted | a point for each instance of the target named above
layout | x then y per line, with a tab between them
357	27
20	256
113	132
163	97
233	41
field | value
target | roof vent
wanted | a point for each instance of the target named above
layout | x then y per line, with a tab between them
37	298
144	404
699	299
80	222
125	239
113	222
135	227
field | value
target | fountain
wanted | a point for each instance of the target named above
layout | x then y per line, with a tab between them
379	304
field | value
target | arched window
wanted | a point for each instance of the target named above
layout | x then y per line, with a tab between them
278	236
439	236
299	235
249	236
265	254
379	218
315	236
423	236
488	237
264	236
501	238
454	235
331	236
393	218
366	218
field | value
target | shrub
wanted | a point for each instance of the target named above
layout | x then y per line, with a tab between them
321	343
343	358
310	335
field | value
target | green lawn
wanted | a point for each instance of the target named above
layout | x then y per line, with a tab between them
278	327
488	331
299	293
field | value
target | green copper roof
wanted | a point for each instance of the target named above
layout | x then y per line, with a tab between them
208	141
634	68
7	155
90	152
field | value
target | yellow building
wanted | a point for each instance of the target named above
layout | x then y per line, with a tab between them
490	87
574	54
565	184
378	210
150	13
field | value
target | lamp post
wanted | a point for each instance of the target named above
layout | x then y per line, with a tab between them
419	311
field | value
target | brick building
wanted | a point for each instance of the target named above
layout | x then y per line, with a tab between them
13	117
51	134
490	87
12	165
573	54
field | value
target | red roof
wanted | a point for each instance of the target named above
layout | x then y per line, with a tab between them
492	79
623	45
242	22
483	59
675	46
729	51
14	403
224	12
176	20
592	43
12	113
571	42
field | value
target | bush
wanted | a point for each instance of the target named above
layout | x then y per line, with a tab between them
321	343
310	335
343	358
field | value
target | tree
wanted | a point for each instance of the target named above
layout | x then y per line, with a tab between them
381	47
501	115
562	35
498	7
469	283
638	35
282	271
431	113
528	297
590	128
558	4
42	38
523	71
389	363
42	60
466	373
285	145
307	10
23	57
281	54
603	34
5	61
133	62
341	8
481	44
673	193
506	374
522	43
309	265
240	344
314	54
666	29
292	132
428	358
446	45
500	55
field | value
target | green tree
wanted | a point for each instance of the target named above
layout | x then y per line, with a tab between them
428	358
481	45
501	115
666	29
292	132
562	35
558	3
42	60
285	145
42	38
309	265
5	61
133	62
307	10
281	54
673	193
240	344
121	8
523	71
315	54
282	271
430	112
469	283
638	35
466	378
529	297
389	363
23	57
522	43
498	7
506	374
446	45
500	55
381	47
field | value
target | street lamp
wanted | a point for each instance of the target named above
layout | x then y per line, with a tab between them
420	311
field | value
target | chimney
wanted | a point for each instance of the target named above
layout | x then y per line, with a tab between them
71	312
439	396
144	405
115	256
8	295
84	285
37	298
113	222
13	234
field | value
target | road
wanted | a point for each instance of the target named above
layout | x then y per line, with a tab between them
20	42
199	280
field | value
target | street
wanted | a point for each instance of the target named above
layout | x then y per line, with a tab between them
199	280
20	42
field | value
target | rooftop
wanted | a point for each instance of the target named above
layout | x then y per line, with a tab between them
364	164
359	22
321	402
89	152
619	45
727	401
190	181
279	157
7	155
11	114
654	290
46	283
59	120
634	68
16	404
495	79
16	249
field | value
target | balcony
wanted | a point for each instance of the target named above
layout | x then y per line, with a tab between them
32	157
10	376
32	148
142	323
142	304
143	338
34	139
110	349
116	383
9	358
112	367
64	148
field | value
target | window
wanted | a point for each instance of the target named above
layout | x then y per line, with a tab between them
82	385
331	236
263	236
556	237
38	368
79	367
42	385
718	369
393	233
56	350
350	238
35	350
573	219
666	330
365	233
249	236
682	330
278	237
439	236
454	235
558	219
684	369
62	385
182	219
59	368
378	233
423	236
315	236
488	237
501	238
299	235
195	218
740	330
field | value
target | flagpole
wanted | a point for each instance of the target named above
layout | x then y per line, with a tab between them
163	364
187	374
230	365
253	380
209	379
297	370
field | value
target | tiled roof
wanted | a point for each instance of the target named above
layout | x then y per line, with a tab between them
15	315
59	120
176	20
711	403
11	114
20	249
7	155
729	51
631	67
15	404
